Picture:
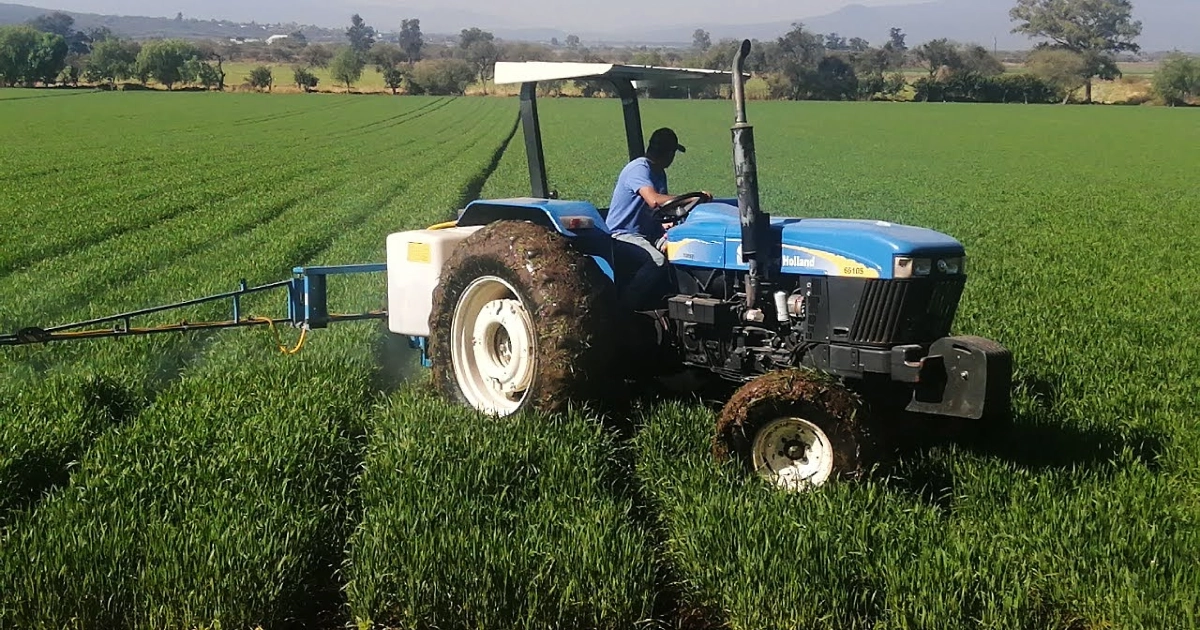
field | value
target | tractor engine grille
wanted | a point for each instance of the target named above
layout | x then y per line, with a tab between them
906	311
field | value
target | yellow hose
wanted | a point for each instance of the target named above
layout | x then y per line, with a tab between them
279	339
443	226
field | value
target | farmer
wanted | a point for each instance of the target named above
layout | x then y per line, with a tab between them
640	241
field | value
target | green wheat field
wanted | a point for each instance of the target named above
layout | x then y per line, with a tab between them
206	479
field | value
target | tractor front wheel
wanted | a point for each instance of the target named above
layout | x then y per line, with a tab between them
520	320
795	429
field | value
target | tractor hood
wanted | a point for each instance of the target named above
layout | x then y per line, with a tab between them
711	237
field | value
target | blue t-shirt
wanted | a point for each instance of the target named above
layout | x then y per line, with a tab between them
628	212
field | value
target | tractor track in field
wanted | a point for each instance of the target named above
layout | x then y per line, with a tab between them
672	608
77	297
146	222
148	164
474	186
401	118
324	108
130	166
265	219
133	166
51	93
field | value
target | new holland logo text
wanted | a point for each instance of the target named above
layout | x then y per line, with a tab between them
799	261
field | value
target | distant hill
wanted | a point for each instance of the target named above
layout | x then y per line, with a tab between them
139	27
15	13
316	16
1166	24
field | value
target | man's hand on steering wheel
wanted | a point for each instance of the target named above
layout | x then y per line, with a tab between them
676	209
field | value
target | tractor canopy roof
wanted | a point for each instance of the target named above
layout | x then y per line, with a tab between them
640	76
626	79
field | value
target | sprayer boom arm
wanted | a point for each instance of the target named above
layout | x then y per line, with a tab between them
306	308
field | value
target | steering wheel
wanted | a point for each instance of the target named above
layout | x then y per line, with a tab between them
679	207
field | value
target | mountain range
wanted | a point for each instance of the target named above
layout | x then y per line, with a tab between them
1167	24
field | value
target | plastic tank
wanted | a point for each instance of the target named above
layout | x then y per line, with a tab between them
414	265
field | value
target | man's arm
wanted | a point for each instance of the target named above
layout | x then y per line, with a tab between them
652	197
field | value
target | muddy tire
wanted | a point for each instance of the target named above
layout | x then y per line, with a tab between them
521	321
796	429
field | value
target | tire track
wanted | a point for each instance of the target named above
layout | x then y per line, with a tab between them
255	120
61	93
402	117
476	184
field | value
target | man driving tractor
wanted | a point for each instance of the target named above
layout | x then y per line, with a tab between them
639	237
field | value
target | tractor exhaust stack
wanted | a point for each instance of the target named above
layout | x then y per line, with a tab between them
754	222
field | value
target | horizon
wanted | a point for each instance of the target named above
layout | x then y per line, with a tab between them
986	22
568	15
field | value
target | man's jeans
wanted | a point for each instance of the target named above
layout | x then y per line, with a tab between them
634	252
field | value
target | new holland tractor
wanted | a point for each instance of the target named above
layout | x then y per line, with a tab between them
830	329
832	325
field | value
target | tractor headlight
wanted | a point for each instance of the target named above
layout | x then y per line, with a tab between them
950	266
906	267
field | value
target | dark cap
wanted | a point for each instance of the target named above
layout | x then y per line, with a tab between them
664	141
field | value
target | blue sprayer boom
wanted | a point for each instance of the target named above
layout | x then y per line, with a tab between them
306	303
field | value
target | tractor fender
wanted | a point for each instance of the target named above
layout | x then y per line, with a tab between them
578	221
605	266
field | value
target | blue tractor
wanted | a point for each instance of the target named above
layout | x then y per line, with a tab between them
831	327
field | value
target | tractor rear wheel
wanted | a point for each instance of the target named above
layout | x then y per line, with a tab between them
796	429
520	320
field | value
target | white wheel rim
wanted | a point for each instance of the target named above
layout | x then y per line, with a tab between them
793	454
493	348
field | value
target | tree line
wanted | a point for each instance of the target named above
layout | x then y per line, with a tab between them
49	51
1082	39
